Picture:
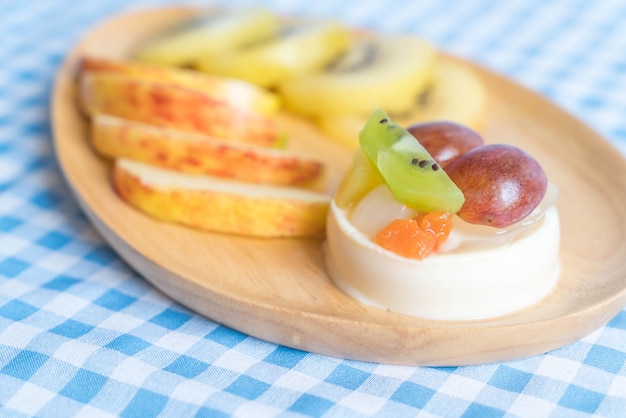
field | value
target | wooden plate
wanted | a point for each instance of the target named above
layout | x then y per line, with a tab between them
278	290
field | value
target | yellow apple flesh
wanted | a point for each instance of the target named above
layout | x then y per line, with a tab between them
219	205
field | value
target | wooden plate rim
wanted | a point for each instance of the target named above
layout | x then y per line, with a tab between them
420	338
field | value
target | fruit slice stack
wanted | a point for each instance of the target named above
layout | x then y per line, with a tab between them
332	74
199	150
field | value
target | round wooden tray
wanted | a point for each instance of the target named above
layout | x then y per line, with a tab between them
278	290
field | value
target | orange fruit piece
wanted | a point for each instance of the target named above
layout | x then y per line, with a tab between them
405	238
415	237
437	223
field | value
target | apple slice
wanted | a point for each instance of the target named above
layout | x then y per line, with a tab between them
200	154
208	35
235	92
220	205
457	95
172	106
301	47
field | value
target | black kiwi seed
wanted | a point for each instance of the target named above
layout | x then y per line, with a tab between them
384	120
423	163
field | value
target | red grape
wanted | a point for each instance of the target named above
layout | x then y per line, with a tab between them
444	140
501	183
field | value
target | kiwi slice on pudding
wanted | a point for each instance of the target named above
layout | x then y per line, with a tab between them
299	48
208	35
411	173
376	71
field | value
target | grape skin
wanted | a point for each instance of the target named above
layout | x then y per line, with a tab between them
501	183
444	140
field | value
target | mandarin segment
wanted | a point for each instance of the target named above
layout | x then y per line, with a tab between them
405	238
437	223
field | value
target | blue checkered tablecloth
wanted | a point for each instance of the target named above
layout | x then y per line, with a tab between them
81	334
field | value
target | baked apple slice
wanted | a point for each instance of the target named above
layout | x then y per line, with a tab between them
220	205
170	105
235	92
200	154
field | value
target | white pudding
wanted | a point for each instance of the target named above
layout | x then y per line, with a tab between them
480	272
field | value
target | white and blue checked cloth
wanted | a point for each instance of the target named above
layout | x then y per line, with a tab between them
81	334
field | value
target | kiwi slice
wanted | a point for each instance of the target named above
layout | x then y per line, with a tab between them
208	35
411	173
301	47
376	71
457	95
360	178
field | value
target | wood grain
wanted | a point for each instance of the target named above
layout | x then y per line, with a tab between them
278	290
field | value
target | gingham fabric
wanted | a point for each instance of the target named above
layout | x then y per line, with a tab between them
81	334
